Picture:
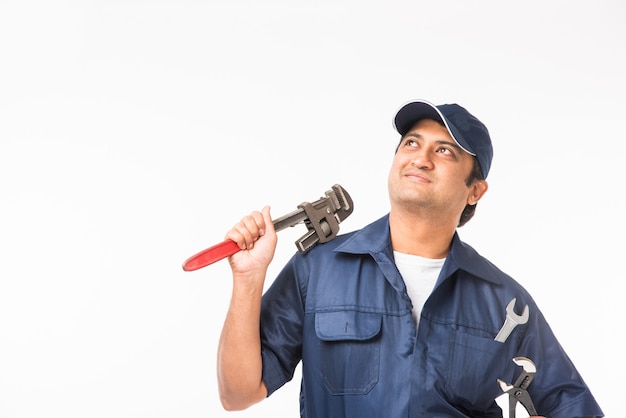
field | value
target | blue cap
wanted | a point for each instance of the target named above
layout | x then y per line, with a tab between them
467	131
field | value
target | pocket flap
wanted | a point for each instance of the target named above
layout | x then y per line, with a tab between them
347	325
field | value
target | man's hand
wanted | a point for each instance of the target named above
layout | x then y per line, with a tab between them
256	237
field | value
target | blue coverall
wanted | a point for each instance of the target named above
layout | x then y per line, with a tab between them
343	310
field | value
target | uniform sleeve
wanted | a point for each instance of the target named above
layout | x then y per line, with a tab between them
558	390
282	315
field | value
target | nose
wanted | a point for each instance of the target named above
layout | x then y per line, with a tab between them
422	159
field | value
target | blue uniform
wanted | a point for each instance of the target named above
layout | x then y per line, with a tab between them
343	310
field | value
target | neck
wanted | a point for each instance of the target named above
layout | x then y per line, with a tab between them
426	236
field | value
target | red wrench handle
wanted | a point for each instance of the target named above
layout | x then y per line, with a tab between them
211	255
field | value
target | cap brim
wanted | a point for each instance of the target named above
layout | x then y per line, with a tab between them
412	112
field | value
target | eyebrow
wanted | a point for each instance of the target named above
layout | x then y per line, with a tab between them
440	141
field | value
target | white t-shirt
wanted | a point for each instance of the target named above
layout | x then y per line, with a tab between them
420	275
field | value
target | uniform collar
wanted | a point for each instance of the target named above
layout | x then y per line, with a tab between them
374	239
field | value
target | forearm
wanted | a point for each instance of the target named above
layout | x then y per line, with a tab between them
239	363
240	366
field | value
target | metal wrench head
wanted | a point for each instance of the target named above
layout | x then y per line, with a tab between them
524	378
518	319
323	217
526	363
527	375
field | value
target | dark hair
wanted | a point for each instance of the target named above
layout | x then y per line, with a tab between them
475	175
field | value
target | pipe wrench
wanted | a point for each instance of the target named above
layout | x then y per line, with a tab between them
517	391
322	219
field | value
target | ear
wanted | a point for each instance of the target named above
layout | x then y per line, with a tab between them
476	191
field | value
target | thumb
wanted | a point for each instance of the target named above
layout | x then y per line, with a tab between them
269	224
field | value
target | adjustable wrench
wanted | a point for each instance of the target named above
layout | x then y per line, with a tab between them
321	218
517	391
512	320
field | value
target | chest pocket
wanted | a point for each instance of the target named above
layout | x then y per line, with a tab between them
349	351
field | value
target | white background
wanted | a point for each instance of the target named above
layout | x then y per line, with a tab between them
134	134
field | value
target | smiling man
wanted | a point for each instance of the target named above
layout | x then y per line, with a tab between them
400	318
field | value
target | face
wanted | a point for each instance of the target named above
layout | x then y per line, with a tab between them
429	171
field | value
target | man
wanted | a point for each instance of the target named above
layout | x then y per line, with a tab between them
400	318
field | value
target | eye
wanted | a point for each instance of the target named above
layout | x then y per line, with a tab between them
445	150
411	143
